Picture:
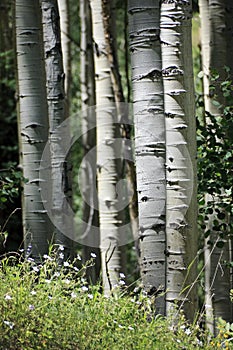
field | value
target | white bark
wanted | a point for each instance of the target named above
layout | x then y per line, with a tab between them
57	115
149	119
33	121
106	156
179	119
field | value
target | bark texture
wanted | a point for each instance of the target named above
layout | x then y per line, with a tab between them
57	115
88	173
179	111
33	122
149	119
107	174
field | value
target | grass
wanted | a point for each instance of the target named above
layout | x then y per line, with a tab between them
51	307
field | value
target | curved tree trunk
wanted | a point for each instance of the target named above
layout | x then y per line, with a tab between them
149	119
107	174
33	122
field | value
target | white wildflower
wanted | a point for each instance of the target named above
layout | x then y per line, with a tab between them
9	324
36	268
90	296
66	264
79	257
31	307
121	283
122	275
84	288
188	331
61	256
93	255
73	295
7	297
33	292
61	247
131	328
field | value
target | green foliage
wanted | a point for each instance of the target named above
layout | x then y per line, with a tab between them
215	156
10	185
51	307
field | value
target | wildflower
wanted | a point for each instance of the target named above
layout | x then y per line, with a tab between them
47	257
30	259
188	331
66	264
122	275
47	281
61	247
33	292
61	256
130	328
8	297
84	288
36	269
79	257
90	296
121	283
57	274
76	269
50	297
10	324
31	307
73	295
93	255
120	326
67	281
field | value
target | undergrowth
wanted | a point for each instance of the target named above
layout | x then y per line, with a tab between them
46	306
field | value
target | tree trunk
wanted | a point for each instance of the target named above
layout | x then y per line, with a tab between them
33	122
57	115
149	119
63	6
217	275
180	117
87	80
107	174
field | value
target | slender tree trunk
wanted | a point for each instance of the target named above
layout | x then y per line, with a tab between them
87	80
180	117
229	35
107	174
149	119
109	20
63	6
57	115
33	122
217	275
191	229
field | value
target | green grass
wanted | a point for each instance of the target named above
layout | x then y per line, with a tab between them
46	307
